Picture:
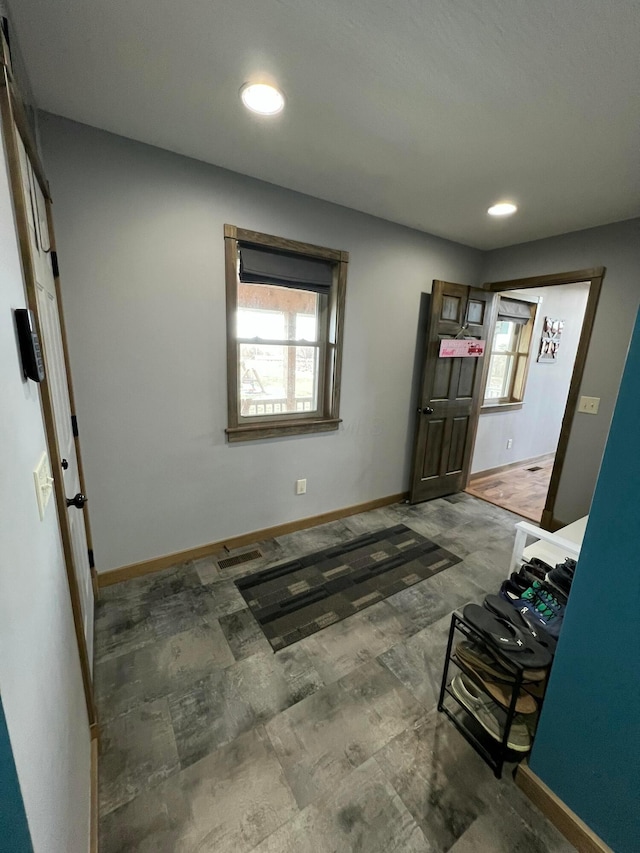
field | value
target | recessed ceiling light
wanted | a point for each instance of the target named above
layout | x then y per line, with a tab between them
262	98
503	208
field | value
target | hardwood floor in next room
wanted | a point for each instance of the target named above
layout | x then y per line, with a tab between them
522	490
211	743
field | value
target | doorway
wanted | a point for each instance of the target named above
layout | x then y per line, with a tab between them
34	226
452	394
531	353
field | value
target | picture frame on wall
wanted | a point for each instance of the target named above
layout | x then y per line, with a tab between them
550	341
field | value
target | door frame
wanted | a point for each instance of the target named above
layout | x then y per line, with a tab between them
594	276
14	116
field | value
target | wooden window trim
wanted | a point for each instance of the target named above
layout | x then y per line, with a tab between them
486	408
514	401
327	417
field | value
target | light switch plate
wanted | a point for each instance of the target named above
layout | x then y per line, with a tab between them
589	405
43	483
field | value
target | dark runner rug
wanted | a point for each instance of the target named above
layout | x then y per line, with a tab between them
298	598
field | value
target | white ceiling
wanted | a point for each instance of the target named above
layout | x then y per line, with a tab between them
423	112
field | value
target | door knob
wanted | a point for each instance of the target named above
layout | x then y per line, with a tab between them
426	411
78	501
64	464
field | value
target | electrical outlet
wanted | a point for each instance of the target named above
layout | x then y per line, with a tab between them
589	405
301	487
43	482
509	443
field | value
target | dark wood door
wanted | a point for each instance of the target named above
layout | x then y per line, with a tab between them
450	392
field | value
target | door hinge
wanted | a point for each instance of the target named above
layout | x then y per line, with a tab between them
54	264
74	426
92	563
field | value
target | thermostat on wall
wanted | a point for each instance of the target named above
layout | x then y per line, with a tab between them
30	352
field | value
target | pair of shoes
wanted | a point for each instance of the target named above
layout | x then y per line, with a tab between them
522	618
561	577
499	691
492	718
537	568
517	643
469	654
544	605
512	589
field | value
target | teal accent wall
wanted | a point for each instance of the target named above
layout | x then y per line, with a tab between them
587	748
14	831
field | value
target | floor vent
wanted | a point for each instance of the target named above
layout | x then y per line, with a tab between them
535	468
227	562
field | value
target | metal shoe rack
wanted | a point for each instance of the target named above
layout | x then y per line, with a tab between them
493	752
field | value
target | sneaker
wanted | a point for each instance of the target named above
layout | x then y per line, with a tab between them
569	565
492	718
536	567
561	577
502	693
545	607
511	590
544	600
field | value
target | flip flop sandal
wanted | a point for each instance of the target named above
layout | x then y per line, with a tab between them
493	668
502	693
524	651
475	658
522	619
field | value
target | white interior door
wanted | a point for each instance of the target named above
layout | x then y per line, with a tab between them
56	373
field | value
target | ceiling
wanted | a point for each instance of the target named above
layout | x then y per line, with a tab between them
423	112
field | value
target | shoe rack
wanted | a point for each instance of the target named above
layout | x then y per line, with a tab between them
495	753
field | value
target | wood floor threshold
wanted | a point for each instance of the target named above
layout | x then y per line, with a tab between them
491	472
574	829
146	567
503	504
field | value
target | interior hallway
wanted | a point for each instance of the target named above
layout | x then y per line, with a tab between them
211	742
522	490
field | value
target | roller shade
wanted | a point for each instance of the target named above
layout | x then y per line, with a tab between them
516	312
260	266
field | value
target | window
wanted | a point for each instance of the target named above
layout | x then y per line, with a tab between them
285	313
510	353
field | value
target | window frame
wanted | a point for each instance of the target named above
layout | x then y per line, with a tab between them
326	416
523	351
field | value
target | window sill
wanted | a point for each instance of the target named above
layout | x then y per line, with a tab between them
489	408
253	432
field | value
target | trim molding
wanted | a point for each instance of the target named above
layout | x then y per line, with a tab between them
574	829
156	564
489	472
93	826
493	409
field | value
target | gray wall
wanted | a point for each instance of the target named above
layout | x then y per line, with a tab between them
40	679
141	253
617	247
140	238
535	428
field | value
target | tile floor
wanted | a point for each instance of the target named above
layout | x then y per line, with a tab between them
213	743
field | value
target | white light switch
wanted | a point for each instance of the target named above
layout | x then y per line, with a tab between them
301	487
43	483
589	405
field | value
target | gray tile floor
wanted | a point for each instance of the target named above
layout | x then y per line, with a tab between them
211	742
